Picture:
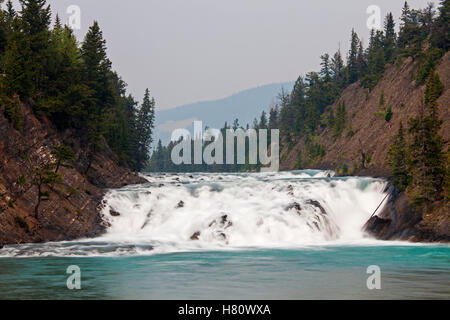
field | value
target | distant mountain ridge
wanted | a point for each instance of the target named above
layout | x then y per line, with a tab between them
244	105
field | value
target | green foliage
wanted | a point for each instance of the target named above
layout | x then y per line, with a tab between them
398	160
384	113
13	112
44	177
144	126
421	165
314	149
428	161
427	62
64	156
299	161
344	169
306	110
21	180
389	40
352	58
340	120
71	84
388	115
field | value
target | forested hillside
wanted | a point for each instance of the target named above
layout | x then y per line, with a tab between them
384	113
68	126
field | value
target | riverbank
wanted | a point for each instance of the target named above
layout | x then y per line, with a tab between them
69	206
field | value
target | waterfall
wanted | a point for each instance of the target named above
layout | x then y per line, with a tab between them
207	211
242	210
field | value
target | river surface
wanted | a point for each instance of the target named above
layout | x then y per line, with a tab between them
286	235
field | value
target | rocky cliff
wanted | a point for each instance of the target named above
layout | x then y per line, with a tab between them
70	208
363	145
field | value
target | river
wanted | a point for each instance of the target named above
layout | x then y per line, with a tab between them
285	235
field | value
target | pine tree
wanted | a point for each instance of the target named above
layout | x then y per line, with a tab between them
406	15
428	159
361	61
96	65
340	120
325	72
287	116
389	42
263	120
35	22
398	160
337	65
64	156
67	94
96	72
375	59
352	58
274	117
441	33
144	128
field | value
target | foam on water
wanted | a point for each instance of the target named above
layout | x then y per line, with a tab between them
188	212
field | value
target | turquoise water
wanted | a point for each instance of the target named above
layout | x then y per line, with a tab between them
322	272
286	235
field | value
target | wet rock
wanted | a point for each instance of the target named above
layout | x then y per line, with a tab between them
377	225
195	236
191	176
180	204
293	205
290	190
161	185
222	222
316	204
113	212
223	236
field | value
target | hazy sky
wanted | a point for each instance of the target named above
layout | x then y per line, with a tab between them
190	50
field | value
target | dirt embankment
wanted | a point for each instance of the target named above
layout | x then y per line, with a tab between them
369	136
71	210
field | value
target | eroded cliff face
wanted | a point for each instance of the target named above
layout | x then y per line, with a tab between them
71	210
365	132
399	221
370	136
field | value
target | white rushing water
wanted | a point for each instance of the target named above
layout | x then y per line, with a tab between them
185	212
243	210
